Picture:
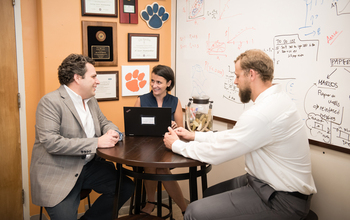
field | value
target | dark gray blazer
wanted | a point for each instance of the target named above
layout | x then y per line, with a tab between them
60	146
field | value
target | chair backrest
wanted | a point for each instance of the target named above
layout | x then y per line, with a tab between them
84	193
311	216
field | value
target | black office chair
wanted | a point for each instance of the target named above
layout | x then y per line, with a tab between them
311	216
83	194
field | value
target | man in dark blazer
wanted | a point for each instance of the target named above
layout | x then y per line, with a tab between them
69	128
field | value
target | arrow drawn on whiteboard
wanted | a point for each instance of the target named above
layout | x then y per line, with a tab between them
328	76
226	14
231	40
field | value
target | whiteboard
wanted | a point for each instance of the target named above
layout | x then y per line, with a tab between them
309	41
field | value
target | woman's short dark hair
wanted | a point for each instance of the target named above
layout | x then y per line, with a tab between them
73	64
167	73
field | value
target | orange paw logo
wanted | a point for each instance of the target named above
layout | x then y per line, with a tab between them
135	81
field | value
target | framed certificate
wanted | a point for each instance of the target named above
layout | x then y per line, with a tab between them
104	8
108	89
143	47
100	42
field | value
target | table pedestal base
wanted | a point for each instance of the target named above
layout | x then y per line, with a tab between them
138	175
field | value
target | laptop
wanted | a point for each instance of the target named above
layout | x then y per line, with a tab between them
146	121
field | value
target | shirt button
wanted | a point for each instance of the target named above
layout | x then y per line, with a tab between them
76	175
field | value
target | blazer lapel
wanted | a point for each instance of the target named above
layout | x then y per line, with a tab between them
69	103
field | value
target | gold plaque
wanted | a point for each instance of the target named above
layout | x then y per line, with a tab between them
100	42
100	52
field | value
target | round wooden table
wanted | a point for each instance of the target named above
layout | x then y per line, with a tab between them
139	152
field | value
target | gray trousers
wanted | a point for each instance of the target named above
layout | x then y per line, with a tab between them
102	177
247	198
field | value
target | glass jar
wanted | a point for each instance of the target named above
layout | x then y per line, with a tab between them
198	116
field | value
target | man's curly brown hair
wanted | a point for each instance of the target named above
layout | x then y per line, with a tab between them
73	64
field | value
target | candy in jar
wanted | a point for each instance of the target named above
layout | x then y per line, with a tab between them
198	116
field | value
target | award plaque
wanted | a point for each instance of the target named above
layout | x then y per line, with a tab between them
100	42
100	52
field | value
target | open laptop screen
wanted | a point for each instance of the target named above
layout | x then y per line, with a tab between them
146	121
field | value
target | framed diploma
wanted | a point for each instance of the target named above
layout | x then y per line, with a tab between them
104	8
100	42
108	88
143	47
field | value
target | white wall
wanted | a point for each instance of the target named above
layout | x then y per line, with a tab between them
331	171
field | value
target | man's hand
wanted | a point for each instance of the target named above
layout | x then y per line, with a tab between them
108	140
184	134
113	133
170	137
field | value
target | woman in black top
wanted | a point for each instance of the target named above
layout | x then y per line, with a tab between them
162	81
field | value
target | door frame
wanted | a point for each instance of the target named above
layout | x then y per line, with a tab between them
22	110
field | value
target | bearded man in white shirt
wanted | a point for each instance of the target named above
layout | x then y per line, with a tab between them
69	128
271	135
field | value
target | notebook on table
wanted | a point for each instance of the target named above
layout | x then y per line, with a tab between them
146	121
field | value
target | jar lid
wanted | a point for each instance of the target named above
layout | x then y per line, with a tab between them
201	99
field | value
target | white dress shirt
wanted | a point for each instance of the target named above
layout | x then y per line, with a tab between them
85	116
271	135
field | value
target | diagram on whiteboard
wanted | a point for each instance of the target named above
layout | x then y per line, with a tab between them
307	40
327	102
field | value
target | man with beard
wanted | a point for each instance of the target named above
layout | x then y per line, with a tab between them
271	134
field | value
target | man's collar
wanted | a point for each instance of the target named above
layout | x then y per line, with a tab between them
275	88
74	96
